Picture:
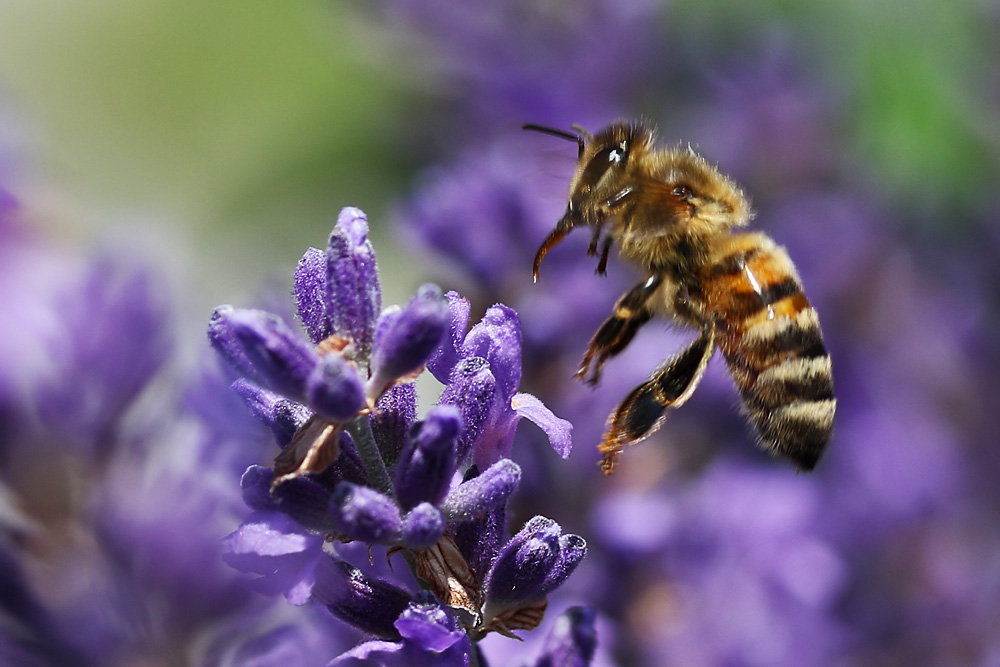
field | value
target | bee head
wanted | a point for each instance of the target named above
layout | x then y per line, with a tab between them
599	183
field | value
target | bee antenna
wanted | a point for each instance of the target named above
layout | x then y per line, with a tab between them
556	132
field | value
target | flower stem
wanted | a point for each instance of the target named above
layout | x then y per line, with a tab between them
361	431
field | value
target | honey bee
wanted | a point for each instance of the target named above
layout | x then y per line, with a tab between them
674	215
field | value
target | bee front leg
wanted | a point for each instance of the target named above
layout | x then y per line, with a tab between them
631	312
644	409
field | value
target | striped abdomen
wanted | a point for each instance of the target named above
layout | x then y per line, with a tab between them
770	337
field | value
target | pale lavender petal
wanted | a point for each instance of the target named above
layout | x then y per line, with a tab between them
559	430
274	546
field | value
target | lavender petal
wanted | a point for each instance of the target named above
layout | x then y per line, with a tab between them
559	430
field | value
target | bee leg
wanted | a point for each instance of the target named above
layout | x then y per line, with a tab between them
644	409
618	330
602	264
595	237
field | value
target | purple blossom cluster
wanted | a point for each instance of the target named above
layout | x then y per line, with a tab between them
357	467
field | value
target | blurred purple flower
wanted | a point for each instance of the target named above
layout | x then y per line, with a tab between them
572	641
110	339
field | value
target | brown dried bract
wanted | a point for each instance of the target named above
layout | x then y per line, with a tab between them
449	577
314	448
527	616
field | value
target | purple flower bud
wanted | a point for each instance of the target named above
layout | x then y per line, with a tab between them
497	338
311	293
334	389
473	390
395	412
386	321
355	296
479	541
222	337
572	549
305	500
370	604
277	356
524	563
281	415
481	494
573	640
423	526
348	467
256	487
428	461
364	514
410	340
449	352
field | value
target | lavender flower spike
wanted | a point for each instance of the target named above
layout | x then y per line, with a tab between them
410	340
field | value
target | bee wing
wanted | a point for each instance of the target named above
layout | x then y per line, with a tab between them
644	409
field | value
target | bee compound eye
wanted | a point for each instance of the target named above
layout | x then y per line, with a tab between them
681	191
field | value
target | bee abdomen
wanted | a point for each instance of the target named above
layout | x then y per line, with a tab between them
771	339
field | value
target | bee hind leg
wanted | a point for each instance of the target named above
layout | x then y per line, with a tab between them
614	335
644	409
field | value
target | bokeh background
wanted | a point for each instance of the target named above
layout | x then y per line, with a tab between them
160	158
